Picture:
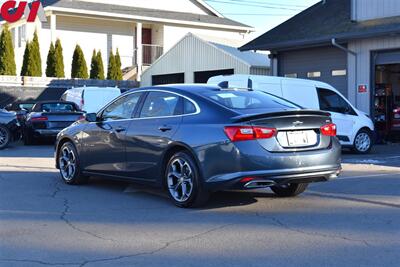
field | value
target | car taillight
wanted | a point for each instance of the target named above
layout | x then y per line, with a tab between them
245	133
42	118
329	129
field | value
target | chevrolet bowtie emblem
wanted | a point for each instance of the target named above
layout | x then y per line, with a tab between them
298	123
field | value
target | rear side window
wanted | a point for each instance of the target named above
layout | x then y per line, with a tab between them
248	100
160	104
188	107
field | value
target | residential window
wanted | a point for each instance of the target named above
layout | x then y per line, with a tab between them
21	35
291	75
339	72
314	74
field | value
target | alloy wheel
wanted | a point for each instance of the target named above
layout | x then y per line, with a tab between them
362	142
180	179
4	137
67	161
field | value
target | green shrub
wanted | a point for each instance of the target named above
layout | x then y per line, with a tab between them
79	67
51	62
7	57
59	64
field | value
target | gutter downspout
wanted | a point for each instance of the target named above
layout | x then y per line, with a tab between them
348	51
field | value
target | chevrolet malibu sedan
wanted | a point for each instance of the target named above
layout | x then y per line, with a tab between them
192	140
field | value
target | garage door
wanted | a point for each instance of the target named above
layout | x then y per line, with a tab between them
327	64
203	76
168	78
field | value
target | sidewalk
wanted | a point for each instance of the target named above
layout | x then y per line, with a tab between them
381	155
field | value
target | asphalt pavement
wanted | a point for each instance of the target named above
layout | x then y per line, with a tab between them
352	221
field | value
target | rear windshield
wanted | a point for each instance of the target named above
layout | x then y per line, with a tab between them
58	107
249	100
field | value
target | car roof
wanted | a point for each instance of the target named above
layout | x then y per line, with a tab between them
195	89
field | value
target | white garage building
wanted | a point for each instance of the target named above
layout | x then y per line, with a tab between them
196	58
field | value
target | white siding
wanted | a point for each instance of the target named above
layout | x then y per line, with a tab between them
362	73
172	34
171	5
191	55
372	9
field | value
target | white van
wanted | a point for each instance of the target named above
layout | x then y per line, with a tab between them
91	99
355	128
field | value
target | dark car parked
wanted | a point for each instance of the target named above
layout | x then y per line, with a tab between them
47	119
21	109
9	128
193	140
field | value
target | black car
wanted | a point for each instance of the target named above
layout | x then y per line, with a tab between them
47	119
21	109
9	128
193	140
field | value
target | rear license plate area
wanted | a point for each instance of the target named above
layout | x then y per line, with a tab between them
294	139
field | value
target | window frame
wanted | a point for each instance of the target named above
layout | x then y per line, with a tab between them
142	99
351	112
100	114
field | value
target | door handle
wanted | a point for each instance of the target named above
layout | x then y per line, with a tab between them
120	129
165	128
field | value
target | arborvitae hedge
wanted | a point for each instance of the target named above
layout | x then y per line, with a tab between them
59	64
112	67
7	57
119	76
35	60
79	67
94	71
25	63
100	66
51	62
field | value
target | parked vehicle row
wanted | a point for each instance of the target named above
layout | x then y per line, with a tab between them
193	140
355	128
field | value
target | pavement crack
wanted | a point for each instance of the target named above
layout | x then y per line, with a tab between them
40	262
280	223
165	246
64	218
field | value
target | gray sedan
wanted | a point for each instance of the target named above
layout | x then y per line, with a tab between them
195	139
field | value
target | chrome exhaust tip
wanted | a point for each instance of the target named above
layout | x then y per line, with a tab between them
257	184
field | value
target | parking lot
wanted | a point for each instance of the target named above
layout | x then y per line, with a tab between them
353	221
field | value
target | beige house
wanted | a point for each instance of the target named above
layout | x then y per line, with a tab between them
141	30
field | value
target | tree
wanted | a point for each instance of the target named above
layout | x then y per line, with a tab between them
79	67
112	67
24	69
35	60
94	70
59	64
51	62
119	76
7	57
100	65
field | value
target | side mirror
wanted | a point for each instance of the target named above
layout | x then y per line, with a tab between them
91	117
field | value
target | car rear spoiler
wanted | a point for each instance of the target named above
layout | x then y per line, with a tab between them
249	117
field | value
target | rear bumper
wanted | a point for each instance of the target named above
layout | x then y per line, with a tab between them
46	132
264	179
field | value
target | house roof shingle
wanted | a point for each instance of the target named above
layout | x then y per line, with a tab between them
319	24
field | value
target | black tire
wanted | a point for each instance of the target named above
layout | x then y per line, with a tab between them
5	137
76	177
359	148
291	190
198	194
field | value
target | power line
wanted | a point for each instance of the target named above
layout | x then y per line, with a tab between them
252	5
266	3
